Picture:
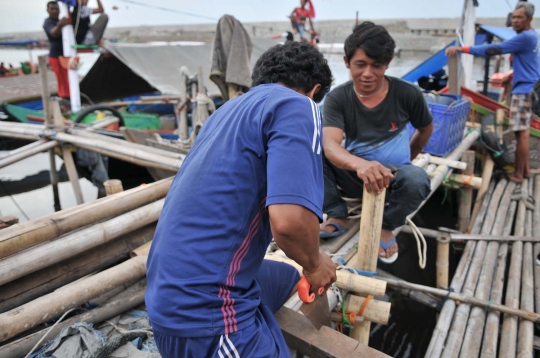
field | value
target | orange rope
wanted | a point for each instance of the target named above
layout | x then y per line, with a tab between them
364	306
467	181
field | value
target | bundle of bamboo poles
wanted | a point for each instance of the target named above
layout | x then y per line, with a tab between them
487	270
61	261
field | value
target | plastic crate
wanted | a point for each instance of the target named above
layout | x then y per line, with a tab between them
448	125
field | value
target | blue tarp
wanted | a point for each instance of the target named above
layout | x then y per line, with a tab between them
435	62
504	33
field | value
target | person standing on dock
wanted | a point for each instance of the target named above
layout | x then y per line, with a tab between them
301	15
372	112
525	48
53	28
255	171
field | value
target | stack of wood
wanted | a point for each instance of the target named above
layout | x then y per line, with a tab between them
61	261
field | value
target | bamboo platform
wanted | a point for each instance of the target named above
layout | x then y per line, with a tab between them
500	272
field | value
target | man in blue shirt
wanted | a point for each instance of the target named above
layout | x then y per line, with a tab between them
255	171
525	49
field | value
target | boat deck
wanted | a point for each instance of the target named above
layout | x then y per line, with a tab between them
20	87
500	272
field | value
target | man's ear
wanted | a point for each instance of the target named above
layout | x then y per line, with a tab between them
346	60
314	91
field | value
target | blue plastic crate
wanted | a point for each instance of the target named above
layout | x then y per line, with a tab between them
448	125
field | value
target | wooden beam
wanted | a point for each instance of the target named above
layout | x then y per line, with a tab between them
368	245
453	74
66	155
300	335
465	196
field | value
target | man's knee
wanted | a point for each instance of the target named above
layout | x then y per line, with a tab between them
105	18
414	179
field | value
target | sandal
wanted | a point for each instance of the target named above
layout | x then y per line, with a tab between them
386	246
328	235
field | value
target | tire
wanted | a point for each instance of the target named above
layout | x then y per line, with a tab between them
101	107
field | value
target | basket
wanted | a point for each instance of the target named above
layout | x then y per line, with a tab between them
448	125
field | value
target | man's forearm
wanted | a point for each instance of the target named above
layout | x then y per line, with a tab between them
419	141
341	158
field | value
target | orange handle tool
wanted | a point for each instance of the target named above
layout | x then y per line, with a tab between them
303	290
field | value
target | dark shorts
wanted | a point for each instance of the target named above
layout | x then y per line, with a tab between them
521	112
263	339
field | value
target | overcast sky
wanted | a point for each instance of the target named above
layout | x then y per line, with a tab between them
28	15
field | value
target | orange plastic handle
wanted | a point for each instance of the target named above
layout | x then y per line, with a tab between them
304	288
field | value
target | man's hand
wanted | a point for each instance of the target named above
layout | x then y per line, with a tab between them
322	275
452	50
63	22
375	176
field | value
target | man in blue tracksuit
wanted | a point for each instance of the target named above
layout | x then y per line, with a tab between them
525	47
255	171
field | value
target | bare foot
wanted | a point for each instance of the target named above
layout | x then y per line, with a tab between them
343	222
386	236
516	179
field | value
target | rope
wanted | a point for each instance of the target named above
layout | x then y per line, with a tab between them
441	303
124	331
422	254
49	331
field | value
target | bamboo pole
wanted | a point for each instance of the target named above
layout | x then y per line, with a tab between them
42	282
375	311
66	155
487	172
421	297
461	165
465	198
440	333
457	331
465	299
27	153
113	186
421	160
473	334
536	233
142	250
510	323
126	300
45	95
368	247
42	309
24	235
460	180
361	285
22	149
491	331
41	256
453	74
526	328
443	258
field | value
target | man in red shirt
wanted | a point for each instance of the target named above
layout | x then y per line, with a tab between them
299	17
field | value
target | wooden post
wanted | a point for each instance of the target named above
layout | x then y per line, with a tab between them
66	154
453	74
368	246
443	258
45	95
113	186
487	172
465	198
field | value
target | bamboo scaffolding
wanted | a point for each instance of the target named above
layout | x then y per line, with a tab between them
113	186
487	172
475	326
455	336
41	256
536	233
510	323
465	197
503	226
443	257
27	153
42	282
24	235
442	327
526	328
126	300
42	309
462	165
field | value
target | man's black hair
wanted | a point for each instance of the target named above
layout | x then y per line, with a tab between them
374	40
297	65
51	3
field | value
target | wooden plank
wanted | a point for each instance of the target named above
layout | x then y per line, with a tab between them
300	335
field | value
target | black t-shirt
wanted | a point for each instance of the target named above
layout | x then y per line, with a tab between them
84	25
377	133
56	48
